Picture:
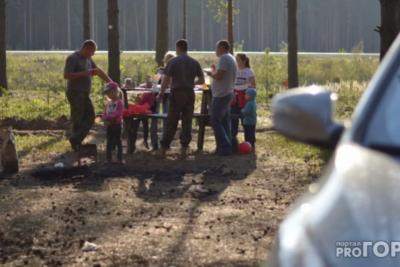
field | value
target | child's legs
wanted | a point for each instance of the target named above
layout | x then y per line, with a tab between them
118	141
250	134
145	123
110	145
135	127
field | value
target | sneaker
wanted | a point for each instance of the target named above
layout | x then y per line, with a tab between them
184	153
74	146
146	145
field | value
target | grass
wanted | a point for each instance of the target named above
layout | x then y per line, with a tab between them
37	86
37	91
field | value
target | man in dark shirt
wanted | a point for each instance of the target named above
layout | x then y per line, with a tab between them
79	70
180	73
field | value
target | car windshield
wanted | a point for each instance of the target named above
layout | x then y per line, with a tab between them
383	131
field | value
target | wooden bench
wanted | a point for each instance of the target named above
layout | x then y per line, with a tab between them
202	118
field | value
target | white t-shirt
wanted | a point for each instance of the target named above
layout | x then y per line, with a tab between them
243	78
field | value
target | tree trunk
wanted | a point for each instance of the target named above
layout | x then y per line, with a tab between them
3	56
390	24
202	25
146	26
162	31
230	24
68	3
87	14
113	42
184	15
293	79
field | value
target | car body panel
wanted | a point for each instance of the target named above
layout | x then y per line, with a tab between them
359	202
359	195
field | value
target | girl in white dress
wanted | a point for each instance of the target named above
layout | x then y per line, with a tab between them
245	79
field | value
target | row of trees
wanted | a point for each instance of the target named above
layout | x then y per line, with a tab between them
224	9
329	25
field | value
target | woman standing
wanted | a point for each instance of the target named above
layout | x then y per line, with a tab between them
245	79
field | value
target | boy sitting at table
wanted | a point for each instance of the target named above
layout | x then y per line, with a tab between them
144	104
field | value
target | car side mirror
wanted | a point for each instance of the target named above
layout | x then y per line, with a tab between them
305	115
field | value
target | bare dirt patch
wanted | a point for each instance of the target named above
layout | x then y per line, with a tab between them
204	211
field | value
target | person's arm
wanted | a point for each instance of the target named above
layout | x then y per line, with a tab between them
247	109
77	75
252	78
219	75
200	76
99	72
221	69
166	81
252	82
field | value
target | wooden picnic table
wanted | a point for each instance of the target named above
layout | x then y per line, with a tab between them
202	118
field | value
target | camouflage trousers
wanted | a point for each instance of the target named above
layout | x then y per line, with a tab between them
181	106
82	115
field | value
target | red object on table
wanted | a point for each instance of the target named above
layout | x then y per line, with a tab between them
245	148
136	109
147	98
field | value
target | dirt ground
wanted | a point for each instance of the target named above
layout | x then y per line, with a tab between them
203	211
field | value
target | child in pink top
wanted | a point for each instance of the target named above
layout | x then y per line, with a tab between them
113	120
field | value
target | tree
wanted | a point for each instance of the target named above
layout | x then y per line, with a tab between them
293	77
230	24
390	24
162	31
69	33
113	42
224	9
87	14
184	15
3	56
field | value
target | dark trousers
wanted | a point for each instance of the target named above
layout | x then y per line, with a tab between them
114	140
181	106
250	134
221	123
235	121
135	128
82	115
154	122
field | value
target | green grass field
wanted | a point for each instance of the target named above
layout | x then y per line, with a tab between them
37	86
37	91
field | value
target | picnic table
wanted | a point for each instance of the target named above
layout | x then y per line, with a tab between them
201	117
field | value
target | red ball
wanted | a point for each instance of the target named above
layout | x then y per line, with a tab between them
245	148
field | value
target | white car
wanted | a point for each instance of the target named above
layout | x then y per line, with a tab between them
351	216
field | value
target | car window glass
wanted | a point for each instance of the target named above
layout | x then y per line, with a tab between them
384	127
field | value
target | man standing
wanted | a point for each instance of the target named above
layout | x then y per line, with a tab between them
222	91
180	73
79	70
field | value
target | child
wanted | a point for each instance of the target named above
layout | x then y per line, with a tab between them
249	113
244	79
113	120
147	99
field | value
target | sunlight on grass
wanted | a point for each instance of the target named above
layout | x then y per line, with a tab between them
42	144
282	147
40	94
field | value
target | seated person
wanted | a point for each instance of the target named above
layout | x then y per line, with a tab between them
144	104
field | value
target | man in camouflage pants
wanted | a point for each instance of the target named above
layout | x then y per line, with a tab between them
79	70
180	74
